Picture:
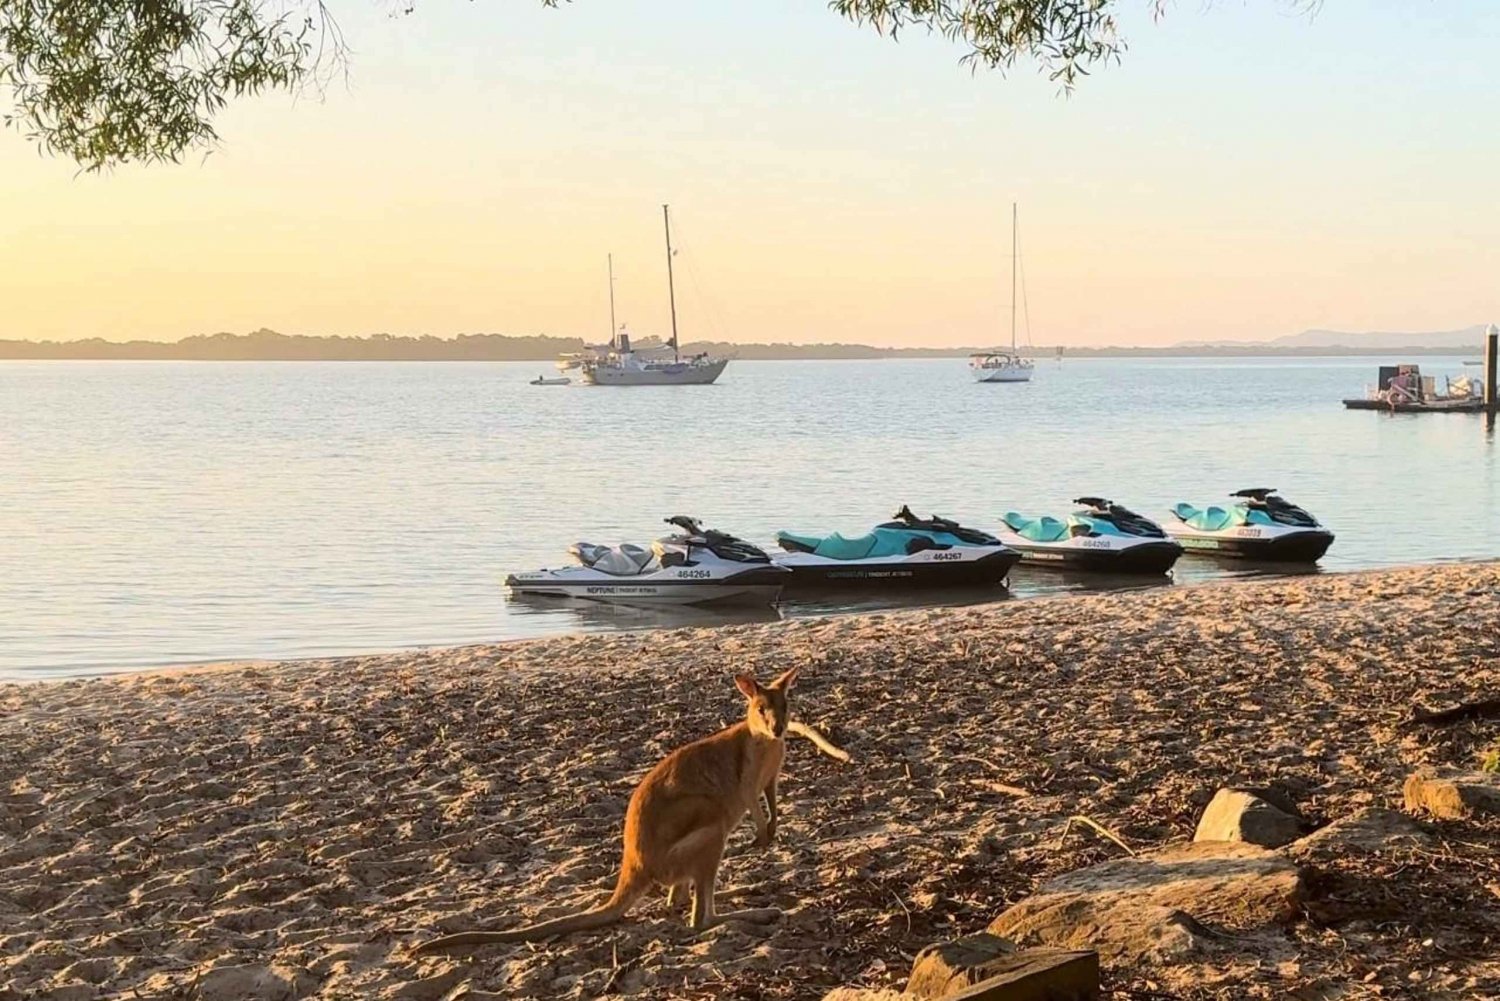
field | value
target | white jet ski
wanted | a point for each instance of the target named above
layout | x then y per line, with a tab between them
696	566
1102	537
1261	526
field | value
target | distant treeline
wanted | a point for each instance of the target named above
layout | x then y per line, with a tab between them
268	345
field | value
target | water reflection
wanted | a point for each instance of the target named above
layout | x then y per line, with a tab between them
581	614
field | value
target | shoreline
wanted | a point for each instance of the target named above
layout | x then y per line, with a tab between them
289	829
259	663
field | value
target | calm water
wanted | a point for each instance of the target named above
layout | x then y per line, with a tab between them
178	512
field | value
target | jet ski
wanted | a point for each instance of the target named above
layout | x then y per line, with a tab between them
1101	536
905	553
1261	526
695	566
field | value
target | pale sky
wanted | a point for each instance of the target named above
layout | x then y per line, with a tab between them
1246	172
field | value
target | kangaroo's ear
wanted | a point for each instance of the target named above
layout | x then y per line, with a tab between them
786	679
747	685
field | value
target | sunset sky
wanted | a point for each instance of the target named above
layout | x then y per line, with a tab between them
1246	172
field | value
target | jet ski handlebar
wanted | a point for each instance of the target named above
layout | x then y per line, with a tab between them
1255	493
1096	502
691	526
936	521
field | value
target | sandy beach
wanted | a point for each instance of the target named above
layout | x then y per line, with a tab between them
289	830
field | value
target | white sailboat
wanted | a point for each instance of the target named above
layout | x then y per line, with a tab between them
999	365
621	365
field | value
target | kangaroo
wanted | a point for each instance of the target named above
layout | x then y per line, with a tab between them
680	818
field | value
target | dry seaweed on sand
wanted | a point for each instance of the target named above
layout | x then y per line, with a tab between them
287	830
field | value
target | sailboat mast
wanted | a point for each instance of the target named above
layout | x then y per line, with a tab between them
1013	278
666	220
612	327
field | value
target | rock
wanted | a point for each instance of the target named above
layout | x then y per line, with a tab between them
1370	830
1153	908
945	967
75	991
1038	975
429	988
1240	815
1452	794
235	983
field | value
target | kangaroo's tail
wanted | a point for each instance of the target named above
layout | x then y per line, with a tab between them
630	887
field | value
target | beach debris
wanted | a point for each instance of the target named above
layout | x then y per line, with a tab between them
1371	830
1090	822
1451	794
819	741
1151	908
1241	815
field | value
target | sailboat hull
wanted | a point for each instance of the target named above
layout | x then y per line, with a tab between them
1010	373
655	373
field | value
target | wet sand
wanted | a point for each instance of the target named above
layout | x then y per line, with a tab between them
289	830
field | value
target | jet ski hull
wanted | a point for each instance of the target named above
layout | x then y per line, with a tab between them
1098	555
933	568
672	586
1261	543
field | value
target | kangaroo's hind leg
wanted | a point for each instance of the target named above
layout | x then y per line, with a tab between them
704	915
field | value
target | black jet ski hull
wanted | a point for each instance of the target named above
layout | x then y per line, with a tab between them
1290	547
817	573
1141	558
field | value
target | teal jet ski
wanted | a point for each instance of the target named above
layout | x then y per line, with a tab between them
909	552
1258	526
1101	536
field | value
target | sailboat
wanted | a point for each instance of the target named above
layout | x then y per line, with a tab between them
1005	366
621	365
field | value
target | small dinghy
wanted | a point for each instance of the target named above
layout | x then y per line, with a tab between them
909	552
1101	536
542	380
1261	526
695	566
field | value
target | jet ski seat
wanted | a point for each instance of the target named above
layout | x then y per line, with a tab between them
1043	529
1209	519
625	560
880	542
1082	524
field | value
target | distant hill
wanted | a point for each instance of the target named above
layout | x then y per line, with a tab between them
268	345
1367	342
1468	337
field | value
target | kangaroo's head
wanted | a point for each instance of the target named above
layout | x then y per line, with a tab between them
767	712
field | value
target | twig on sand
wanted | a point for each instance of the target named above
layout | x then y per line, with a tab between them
1106	832
1002	787
819	741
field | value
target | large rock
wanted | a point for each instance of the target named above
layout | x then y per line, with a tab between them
1240	815
1158	907
1451	794
1038	975
1371	830
945	967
